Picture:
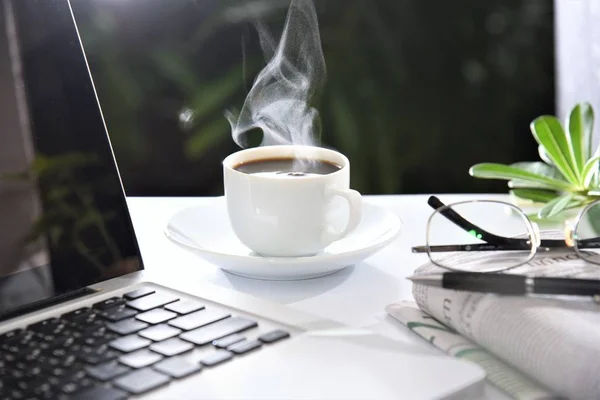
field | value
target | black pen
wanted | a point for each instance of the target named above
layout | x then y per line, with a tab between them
510	284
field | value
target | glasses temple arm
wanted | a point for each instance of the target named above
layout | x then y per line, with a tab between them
593	243
474	247
494	242
502	242
468	226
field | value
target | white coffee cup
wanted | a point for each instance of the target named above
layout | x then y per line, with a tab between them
289	216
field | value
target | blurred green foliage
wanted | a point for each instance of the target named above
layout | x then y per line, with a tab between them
417	91
72	222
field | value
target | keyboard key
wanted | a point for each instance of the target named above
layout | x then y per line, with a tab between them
57	352
50	326
10	348
32	354
151	301
96	355
46	322
159	332
107	371
84	318
68	362
21	386
141	381
16	374
118	313
245	346
198	319
10	335
7	357
48	361
33	372
19	364
217	357
14	394
207	334
74	387
156	316
130	343
101	332
98	358
171	347
88	322
42	389
66	343
136	294
177	367
101	393
140	359
98	341
228	341
75	313
127	326
60	371
109	303
20	338
71	376
48	338
273	336
184	306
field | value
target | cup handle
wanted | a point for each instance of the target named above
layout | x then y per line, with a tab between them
355	214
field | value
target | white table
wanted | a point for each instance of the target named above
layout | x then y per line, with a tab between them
355	296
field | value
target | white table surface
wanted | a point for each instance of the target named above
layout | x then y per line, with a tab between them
355	296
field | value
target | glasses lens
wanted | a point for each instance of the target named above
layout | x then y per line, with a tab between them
482	236
587	234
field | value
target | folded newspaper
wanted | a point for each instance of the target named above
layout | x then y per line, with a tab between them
531	347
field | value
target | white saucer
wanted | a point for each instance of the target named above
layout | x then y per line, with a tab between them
205	230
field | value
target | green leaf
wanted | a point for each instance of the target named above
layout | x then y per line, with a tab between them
533	217
596	176
589	170
581	124
501	171
206	138
346	128
212	96
537	195
347	133
592	215
544	155
555	206
175	68
538	168
548	132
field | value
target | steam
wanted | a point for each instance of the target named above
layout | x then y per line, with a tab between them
278	102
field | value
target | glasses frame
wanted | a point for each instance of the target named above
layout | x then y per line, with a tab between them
501	243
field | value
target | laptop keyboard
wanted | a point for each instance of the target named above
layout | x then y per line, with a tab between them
121	346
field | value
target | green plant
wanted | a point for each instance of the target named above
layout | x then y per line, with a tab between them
165	75
71	220
568	175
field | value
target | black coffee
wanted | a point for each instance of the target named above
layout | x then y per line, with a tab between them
287	167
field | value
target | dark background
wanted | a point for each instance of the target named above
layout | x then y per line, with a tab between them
417	90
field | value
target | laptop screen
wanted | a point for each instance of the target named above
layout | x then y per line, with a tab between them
64	220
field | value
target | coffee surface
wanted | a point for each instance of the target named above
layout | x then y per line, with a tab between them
284	167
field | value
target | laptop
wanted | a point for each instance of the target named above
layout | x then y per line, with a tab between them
77	319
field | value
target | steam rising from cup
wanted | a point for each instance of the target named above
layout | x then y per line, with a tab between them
278	102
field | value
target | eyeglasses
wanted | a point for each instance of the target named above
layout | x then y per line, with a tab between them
499	236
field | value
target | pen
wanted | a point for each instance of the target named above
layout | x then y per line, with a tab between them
509	284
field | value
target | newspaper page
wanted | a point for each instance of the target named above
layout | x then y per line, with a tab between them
554	340
497	371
